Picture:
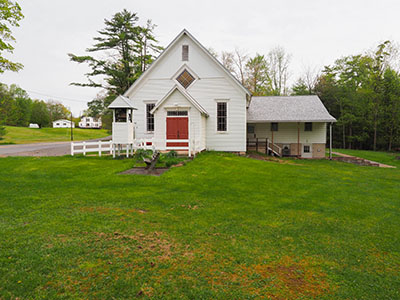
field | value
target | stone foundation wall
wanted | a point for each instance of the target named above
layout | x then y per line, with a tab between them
293	149
318	150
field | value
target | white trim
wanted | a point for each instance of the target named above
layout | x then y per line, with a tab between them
150	101
178	108
185	94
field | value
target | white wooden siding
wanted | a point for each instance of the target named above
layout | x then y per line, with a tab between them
287	133
212	84
122	133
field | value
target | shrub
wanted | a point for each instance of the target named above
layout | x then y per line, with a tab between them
2	132
142	153
171	154
170	161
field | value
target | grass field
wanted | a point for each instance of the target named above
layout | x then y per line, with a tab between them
220	227
24	135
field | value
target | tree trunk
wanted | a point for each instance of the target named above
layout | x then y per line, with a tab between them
390	138
344	136
351	137
375	130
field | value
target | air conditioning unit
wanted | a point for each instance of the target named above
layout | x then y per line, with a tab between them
285	150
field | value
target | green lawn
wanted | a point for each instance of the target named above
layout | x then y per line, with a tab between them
220	227
24	135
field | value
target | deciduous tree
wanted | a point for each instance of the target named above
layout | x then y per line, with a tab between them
10	16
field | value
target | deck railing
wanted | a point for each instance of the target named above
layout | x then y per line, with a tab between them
264	146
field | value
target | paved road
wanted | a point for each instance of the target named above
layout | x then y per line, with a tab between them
39	149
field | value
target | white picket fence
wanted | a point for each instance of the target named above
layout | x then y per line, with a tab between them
88	147
108	146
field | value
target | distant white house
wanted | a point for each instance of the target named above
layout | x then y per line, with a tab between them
63	124
89	122
33	125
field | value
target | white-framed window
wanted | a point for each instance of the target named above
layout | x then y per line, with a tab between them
185	52
222	116
185	78
149	117
177	113
250	128
306	149
274	127
308	126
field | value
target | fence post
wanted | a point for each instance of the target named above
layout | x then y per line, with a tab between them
256	144
266	146
110	147
72	148
84	148
100	148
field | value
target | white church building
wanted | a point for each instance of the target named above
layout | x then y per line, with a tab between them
187	100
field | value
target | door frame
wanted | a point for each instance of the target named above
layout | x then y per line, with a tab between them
306	154
177	144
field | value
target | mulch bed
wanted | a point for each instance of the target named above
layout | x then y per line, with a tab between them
144	171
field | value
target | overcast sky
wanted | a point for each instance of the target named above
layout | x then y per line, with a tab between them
315	32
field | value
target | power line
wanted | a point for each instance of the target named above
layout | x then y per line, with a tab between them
58	97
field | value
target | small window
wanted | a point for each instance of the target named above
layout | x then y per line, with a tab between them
274	126
120	116
58	124
150	117
308	126
185	52
172	113
185	79
222	116
250	128
306	149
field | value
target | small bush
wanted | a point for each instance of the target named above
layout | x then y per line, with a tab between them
142	153
171	154
2	132
171	161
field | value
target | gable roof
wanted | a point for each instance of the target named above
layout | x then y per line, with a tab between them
121	102
288	109
185	94
169	47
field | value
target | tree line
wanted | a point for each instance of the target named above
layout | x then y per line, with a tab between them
18	109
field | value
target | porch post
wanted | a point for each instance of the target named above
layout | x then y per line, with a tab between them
298	139
330	141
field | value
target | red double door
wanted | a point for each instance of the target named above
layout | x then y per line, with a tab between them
177	129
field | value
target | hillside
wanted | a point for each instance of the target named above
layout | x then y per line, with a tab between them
23	135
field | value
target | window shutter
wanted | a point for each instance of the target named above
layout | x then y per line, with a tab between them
185	52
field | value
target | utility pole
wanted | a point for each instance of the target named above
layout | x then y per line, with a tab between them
72	133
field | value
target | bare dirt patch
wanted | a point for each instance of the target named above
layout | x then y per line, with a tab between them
144	171
258	156
283	279
111	210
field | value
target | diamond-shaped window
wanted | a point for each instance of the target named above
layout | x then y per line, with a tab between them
185	79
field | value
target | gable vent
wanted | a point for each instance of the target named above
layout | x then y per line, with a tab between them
185	52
